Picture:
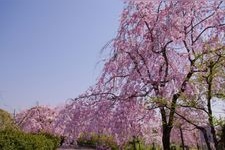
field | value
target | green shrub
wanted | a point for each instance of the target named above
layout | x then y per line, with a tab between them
139	144
17	140
94	140
6	120
55	139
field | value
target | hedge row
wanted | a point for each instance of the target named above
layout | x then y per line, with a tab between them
106	142
17	140
97	141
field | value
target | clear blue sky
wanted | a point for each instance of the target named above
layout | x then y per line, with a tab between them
49	48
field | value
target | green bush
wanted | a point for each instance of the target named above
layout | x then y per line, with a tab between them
17	140
6	120
55	139
94	140
139	144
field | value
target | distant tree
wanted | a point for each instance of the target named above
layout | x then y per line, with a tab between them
36	119
122	120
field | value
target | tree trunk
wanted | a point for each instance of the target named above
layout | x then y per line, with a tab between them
198	147
182	137
213	132
166	130
166	137
134	143
209	81
206	138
